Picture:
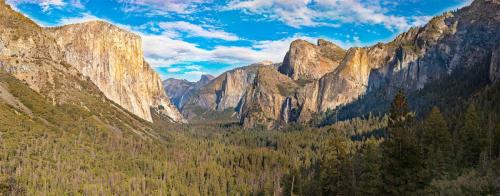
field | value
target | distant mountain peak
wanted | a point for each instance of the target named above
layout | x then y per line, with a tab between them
307	61
206	77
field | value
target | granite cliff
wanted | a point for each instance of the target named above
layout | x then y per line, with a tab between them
180	91
225	92
42	88
268	101
314	79
113	59
465	39
110	57
305	61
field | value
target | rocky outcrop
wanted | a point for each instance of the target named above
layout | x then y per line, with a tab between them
180	91
268	101
308	62
113	60
30	57
29	54
466	39
224	92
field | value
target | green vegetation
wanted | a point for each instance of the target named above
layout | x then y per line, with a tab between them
455	155
98	149
93	147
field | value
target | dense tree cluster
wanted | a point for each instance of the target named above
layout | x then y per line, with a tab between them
457	155
65	149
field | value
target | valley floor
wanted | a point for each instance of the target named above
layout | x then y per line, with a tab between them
63	149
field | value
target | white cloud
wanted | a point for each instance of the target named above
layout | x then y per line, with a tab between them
160	7
193	67
196	30
174	70
85	17
194	73
46	5
295	13
298	13
164	51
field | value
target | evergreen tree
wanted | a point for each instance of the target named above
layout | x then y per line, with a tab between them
401	160
496	143
337	169
269	187
370	180
470	137
436	144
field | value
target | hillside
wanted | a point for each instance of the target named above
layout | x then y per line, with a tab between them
112	58
352	81
82	113
224	93
180	91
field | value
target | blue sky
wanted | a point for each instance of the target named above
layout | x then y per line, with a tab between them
187	38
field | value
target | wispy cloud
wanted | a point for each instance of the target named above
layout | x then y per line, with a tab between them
162	6
196	30
85	17
46	5
174	70
299	13
164	51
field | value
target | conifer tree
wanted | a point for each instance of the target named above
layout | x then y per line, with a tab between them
401	160
470	137
370	180
436	144
336	176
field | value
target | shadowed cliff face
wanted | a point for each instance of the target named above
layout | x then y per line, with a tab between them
113	59
324	77
180	91
225	92
267	101
465	38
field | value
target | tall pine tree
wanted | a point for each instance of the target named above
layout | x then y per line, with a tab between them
370	179
337	168
436	144
470	137
401	160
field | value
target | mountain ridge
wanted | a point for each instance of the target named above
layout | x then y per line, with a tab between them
409	62
113	59
180	90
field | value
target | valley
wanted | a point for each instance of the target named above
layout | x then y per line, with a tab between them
82	112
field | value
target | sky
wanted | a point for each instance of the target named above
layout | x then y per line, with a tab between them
187	38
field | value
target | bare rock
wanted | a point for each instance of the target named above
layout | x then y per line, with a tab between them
307	61
113	59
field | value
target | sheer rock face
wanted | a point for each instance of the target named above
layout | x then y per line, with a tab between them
268	101
464	39
308	62
180	91
29	54
113	60
222	93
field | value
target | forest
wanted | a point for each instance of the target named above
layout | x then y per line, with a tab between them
446	151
